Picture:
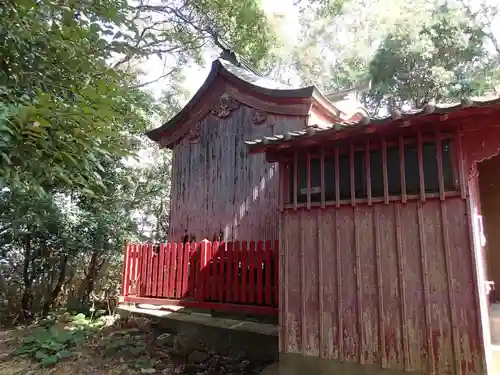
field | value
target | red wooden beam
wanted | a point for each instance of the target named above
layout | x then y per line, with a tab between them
337	176
295	179
194	260
262	310
402	168
167	269
368	173
308	167
126	269
173	271
440	165
384	171
460	162
421	166
353	177
322	171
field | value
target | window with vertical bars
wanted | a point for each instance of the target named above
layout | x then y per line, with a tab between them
411	168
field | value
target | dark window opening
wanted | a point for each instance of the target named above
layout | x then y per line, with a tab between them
393	168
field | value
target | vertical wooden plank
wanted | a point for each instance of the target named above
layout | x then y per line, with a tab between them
173	271
366	264
391	298
229	271
134	270
259	270
451	298
353	175
268	272
251	272
460	162
126	269
281	187
421	166
380	293
384	171
244	273
213	271
337	176
339	260
308	166
368	173
275	258
149	269
236	272
321	283
425	277
401	285
167	269
180	270
221	271
349	313
440	164
302	283
402	168
359	297
185	270
322	167
155	269
194	259
295	179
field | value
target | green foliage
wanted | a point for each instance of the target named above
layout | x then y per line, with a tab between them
50	345
442	59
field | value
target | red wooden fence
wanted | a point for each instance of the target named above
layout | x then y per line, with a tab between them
227	276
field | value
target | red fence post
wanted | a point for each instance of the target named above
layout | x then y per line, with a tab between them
161	269
126	270
173	266
258	269
180	269
251	270
229	270
155	266
194	259
243	259
268	272
166	271
236	273
200	278
221	271
185	269
213	271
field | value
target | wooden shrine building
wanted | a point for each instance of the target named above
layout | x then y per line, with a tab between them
390	242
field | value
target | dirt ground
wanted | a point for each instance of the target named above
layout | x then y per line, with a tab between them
124	347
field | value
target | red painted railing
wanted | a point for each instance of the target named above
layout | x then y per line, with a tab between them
228	276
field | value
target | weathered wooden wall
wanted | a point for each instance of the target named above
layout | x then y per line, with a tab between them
389	285
217	185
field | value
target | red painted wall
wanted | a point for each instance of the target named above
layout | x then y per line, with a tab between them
390	285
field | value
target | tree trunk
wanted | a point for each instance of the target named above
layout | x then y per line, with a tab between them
27	297
49	302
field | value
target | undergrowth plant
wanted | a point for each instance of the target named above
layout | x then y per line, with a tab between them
53	342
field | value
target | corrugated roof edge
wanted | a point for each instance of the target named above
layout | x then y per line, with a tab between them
218	68
429	109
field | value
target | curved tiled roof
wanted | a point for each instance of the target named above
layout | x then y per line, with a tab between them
248	80
396	115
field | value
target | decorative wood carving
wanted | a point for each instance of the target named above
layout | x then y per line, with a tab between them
258	116
224	106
